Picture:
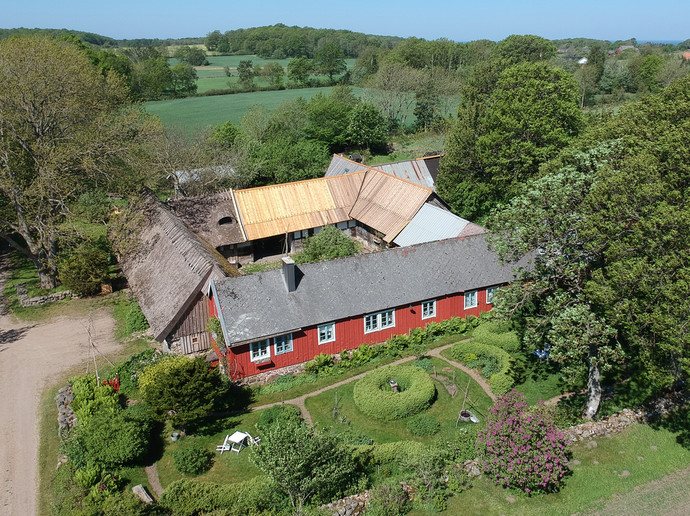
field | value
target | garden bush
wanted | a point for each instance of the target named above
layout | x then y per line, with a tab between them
322	364
494	333
374	396
388	499
250	498
471	352
285	412
400	451
84	269
194	459
520	447
91	398
423	424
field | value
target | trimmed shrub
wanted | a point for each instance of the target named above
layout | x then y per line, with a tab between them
474	352
84	269
374	396
285	412
193	459
423	424
496	334
520	447
424	363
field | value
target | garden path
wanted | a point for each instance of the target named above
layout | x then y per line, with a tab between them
299	401
154	481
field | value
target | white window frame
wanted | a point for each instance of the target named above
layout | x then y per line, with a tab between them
328	328
490	292
260	350
379	321
472	296
429	309
285	341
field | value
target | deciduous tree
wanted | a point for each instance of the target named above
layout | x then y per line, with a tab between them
63	129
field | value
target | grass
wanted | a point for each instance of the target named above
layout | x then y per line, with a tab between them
227	468
195	113
591	484
23	271
536	379
444	408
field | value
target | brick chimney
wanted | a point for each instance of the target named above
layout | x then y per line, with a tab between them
290	274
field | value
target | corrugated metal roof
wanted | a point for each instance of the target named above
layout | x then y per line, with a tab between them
279	209
429	224
341	165
387	203
259	305
415	171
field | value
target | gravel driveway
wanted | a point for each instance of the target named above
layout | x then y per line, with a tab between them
31	357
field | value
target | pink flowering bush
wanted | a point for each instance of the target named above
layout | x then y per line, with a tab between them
521	448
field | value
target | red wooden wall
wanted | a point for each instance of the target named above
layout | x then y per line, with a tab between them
349	334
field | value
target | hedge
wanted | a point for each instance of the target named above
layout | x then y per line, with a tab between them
400	451
501	382
374	397
497	334
251	497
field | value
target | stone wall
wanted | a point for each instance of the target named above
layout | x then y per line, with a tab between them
351	506
66	417
27	301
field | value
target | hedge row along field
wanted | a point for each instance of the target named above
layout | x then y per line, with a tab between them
374	396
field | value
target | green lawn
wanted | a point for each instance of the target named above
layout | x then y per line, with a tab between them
192	114
444	408
536	379
598	476
227	468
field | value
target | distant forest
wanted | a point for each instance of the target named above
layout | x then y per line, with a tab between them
280	41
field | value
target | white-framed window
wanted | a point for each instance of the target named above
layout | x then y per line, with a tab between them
470	299
429	309
490	295
326	333
260	350
283	343
379	321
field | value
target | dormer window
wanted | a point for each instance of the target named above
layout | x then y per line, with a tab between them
225	220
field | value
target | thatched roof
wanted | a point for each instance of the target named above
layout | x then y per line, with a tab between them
168	265
212	217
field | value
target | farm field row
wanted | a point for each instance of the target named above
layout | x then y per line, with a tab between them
195	113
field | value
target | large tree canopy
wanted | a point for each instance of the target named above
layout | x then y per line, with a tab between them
62	130
609	223
511	121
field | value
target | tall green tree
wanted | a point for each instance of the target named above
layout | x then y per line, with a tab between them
245	70
517	49
366	127
330	60
304	464
299	69
63	130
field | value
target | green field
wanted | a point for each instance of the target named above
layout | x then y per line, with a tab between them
194	113
212	76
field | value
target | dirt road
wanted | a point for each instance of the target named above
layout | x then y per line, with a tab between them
31	355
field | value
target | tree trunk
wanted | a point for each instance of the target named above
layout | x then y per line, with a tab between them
593	384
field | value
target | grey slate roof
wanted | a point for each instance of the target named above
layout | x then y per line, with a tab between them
259	305
429	224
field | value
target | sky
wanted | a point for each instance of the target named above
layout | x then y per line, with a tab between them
460	20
